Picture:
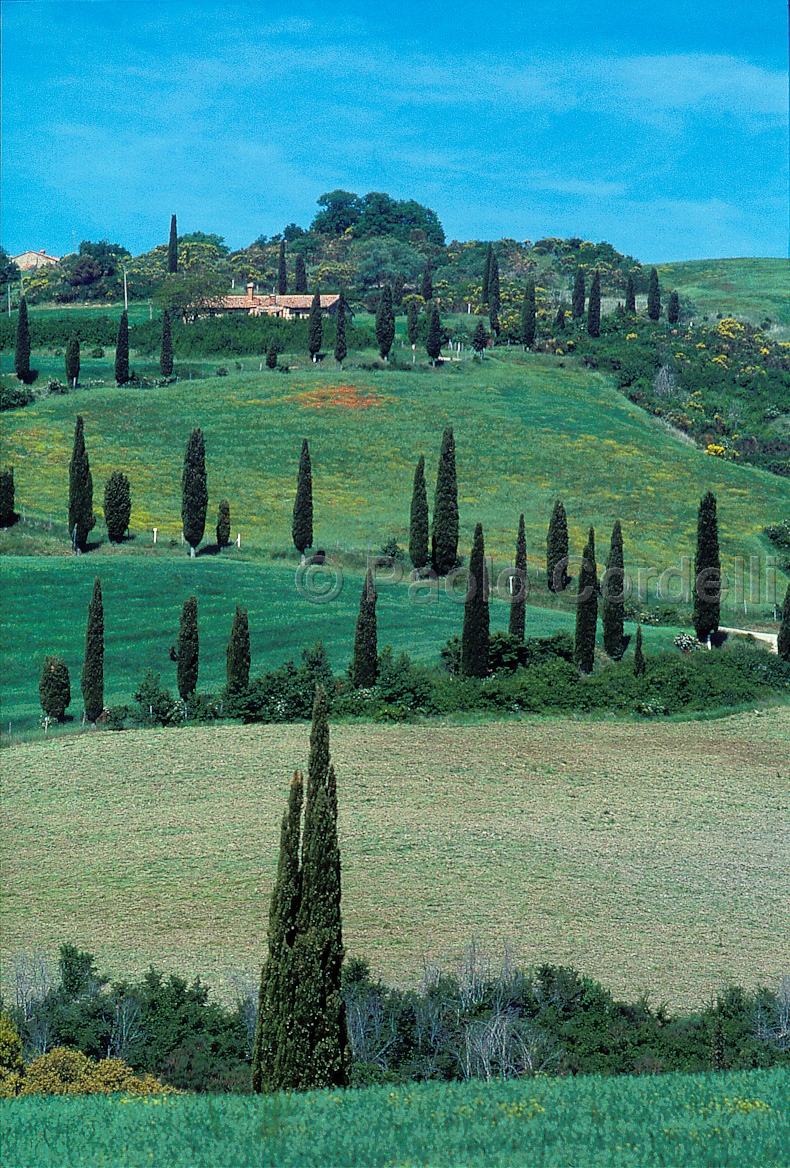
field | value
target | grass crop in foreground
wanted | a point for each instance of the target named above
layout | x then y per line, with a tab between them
697	1121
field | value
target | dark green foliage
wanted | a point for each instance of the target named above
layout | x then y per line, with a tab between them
315	326
282	272
117	505
271	355
81	517
54	688
72	361
594	307
557	578
22	349
707	570
237	657
15	397
122	351
673	308
612	596
528	317
286	694
783	640
186	651
172	247
474	638
519	602
302	527
586	608
494	299
7	512
92	681
486	276
385	322
223	523
412	322
480	338
639	657
398	289
444	536
507	652
426	287
194	490
653	296
559	319
300	275
577	299
364	667
166	349
630	295
418	518
341	348
433	343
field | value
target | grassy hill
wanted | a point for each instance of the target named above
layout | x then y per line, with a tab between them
652	857
748	289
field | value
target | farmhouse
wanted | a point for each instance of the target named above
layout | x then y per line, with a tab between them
289	307
29	260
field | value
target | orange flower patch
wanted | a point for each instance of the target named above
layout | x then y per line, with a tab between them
347	397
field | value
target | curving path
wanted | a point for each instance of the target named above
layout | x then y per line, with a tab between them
771	639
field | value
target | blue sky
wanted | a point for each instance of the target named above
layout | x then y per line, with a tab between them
661	127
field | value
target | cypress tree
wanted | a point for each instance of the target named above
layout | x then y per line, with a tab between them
172	247
519	604
166	352
586	608
613	598
494	297
474	637
122	351
433	343
528	316
300	275
81	517
341	349
7	492
282	272
186	650
783	640
557	550
194	490
418	518
92	681
594	307
653	296
302	527
444	541
673	308
577	299
412	325
486	276
54	688
397	290
271	355
72	360
426	287
223	523
559	319
480	339
237	656
639	657
630	295
364	667
22	350
707	570
385	322
117	505
315	326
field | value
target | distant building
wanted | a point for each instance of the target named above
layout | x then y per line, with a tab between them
288	307
29	260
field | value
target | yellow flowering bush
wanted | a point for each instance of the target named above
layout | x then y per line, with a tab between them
12	1067
70	1072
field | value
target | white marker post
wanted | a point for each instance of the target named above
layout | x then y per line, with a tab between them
238	540
156	529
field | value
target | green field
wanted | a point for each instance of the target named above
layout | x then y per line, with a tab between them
749	289
736	1120
653	857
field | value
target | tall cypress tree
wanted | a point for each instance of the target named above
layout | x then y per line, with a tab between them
385	322
117	505
166	352
594	307
412	325
93	664
630	295
418	518
302	527
494	295
486	276
613	596
7	493
186	650
426	287
315	326
586	608
519	604
707	570
122	351
398	289
474	637
223	523
172	247
673	308
364	667
528	316
282	272
194	490
81	517
639	657
557	550
341	349
72	360
237	656
783	640
577	299
444	541
653	296
433	343
300	275
22	349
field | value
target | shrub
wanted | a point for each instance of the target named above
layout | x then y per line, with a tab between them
155	703
54	688
14	396
70	1072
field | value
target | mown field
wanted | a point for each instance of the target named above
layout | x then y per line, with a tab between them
751	289
699	1121
655	858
